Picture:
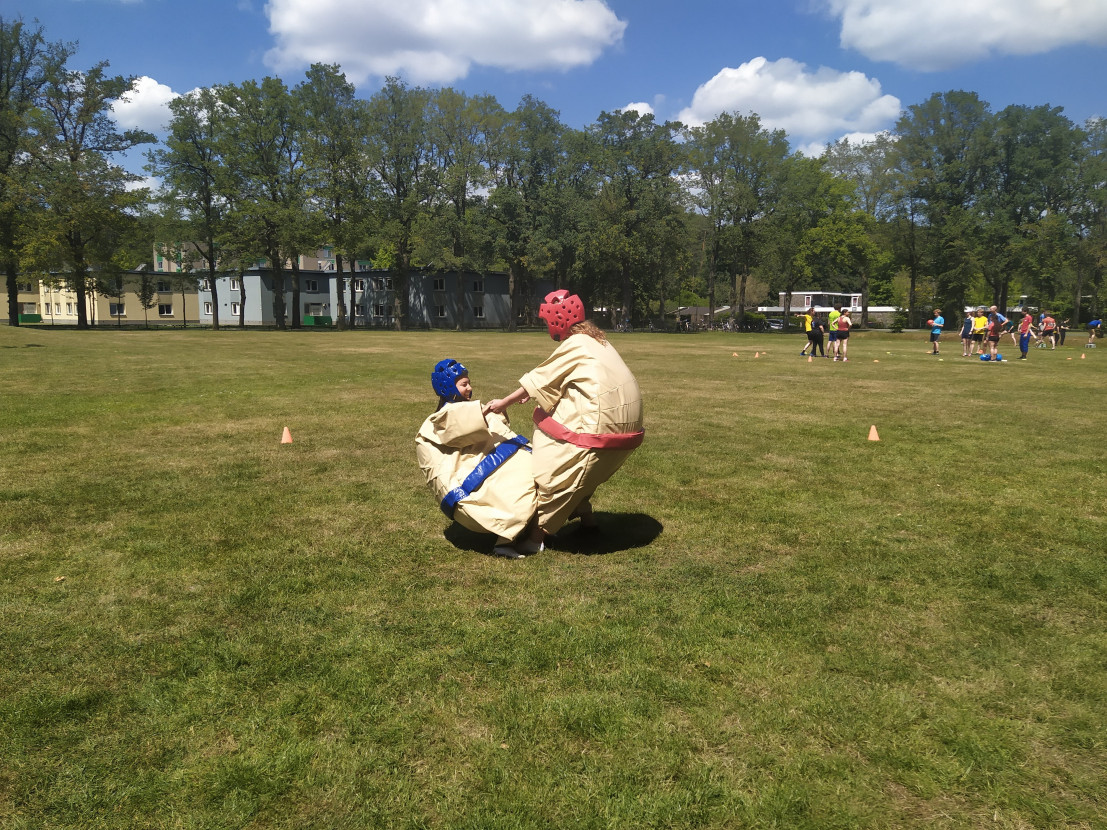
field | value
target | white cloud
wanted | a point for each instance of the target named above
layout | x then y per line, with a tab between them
639	107
812	107
941	34
145	107
438	41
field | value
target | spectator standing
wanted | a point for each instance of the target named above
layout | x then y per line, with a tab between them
844	325
832	331
996	323
967	345
814	331
980	329
1049	331
1026	331
936	329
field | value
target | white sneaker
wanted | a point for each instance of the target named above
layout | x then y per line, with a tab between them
527	547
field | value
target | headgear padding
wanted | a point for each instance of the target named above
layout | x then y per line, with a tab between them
561	311
444	379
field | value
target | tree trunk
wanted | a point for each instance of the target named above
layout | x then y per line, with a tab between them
297	312
340	291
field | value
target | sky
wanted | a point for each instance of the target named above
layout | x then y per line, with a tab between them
818	69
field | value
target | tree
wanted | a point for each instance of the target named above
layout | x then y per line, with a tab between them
81	193
26	61
265	159
335	160
401	158
192	167
529	201
732	174
948	157
638	205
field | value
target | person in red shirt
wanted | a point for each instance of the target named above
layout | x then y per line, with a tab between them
1026	331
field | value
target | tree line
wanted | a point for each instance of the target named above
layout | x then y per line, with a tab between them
957	205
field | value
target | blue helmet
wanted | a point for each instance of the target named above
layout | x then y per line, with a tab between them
444	379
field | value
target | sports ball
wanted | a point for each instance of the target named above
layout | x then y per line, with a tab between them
930	322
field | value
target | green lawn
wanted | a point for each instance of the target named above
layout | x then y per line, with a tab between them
784	625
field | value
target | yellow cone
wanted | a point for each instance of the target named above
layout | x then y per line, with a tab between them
872	433
286	438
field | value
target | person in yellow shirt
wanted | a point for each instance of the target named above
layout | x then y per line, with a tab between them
979	329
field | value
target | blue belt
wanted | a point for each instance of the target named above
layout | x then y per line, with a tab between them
483	470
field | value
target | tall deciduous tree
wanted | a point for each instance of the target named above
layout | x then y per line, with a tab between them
191	167
732	174
26	61
334	151
401	157
637	205
83	192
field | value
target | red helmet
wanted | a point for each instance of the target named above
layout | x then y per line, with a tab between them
561	311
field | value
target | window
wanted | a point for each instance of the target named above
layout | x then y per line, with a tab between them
359	285
236	309
28	308
359	310
378	310
382	283
205	285
117	309
207	309
311	285
439	283
313	309
478	312
165	309
440	311
163	285
478	285
234	284
24	286
68	308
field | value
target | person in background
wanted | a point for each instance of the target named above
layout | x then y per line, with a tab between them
814	330
967	345
832	331
1062	329
980	329
1093	331
1049	330
996	323
1026	331
844	325
936	329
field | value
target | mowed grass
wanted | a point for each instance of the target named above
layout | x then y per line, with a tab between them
784	624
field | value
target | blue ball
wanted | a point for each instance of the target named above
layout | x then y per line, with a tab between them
985	357
999	356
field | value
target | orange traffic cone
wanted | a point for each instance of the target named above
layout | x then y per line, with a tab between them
872	433
1083	356
757	354
809	358
286	438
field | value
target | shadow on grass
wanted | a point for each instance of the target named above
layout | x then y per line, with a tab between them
617	532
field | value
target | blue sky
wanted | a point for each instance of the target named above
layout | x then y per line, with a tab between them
819	69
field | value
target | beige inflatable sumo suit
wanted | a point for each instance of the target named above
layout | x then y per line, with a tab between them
589	415
450	446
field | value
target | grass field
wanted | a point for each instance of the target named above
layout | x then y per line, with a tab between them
784	624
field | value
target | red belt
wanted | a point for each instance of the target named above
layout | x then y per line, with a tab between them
587	440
